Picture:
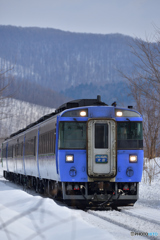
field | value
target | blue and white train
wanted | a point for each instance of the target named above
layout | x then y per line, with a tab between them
86	153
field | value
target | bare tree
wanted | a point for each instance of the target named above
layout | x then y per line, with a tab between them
151	124
146	74
5	82
144	84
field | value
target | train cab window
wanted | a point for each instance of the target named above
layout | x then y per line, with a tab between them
72	135
129	135
101	135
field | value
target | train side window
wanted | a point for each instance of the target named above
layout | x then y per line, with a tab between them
10	152
4	152
54	140
47	142
40	145
21	149
18	149
30	146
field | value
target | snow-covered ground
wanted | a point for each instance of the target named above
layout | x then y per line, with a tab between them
26	215
16	114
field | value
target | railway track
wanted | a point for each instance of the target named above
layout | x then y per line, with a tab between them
144	216
133	223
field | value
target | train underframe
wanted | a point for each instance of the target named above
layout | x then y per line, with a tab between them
101	194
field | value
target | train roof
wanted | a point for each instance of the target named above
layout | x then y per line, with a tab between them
81	103
65	106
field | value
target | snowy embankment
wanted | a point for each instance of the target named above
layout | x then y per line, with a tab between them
16	114
25	215
150	192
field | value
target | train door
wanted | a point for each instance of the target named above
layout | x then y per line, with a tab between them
101	148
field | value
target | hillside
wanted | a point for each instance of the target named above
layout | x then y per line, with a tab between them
30	91
59	60
16	115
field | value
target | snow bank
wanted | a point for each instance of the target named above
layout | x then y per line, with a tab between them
150	193
24	216
16	114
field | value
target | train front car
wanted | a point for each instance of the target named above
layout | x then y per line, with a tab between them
100	154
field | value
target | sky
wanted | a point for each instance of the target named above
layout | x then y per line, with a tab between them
135	18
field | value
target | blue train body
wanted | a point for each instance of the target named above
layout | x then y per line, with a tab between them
86	152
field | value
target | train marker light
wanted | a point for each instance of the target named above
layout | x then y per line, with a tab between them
83	113
119	114
73	172
129	172
76	187
69	158
132	158
125	187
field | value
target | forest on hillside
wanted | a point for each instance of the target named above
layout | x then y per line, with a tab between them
58	62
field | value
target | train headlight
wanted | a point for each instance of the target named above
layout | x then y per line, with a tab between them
119	114
69	158
83	114
132	158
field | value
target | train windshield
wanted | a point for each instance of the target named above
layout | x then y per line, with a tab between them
72	135
129	135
